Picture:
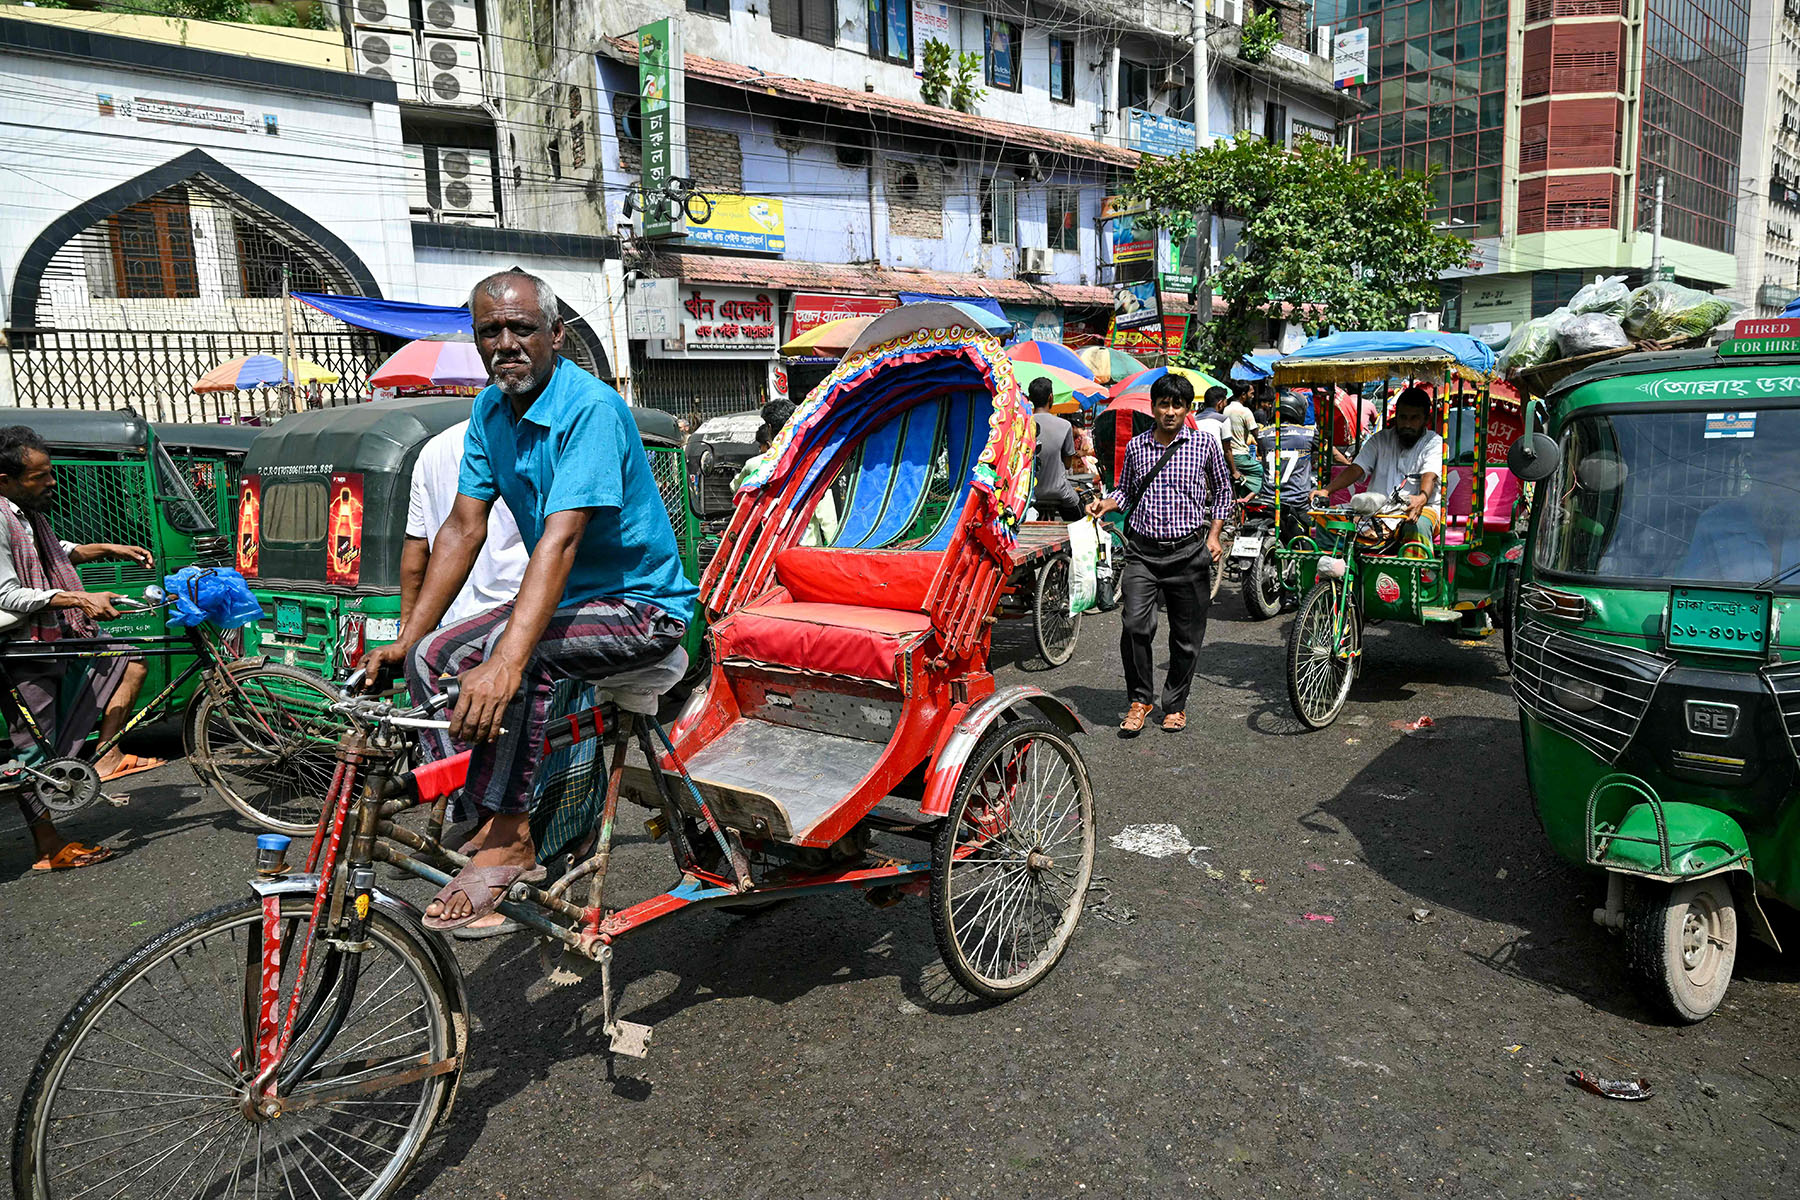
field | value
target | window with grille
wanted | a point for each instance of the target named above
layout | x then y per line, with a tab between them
711	8
997	206
814	20
1063	218
153	248
1134	84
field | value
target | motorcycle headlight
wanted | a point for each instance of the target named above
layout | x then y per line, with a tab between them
1576	695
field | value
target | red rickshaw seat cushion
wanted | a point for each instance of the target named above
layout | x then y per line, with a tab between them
833	639
896	579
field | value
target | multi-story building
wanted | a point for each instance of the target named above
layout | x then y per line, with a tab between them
1768	214
1552	121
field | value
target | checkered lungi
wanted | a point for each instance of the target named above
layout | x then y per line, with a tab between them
587	641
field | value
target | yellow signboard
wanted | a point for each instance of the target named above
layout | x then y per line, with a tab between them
739	223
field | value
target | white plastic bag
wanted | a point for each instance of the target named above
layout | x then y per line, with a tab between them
1084	565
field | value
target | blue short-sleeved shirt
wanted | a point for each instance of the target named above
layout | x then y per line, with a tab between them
578	447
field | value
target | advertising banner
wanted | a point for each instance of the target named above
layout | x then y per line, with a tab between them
1153	133
1350	57
735	321
1002	55
809	310
741	223
931	23
1033	322
1135	305
662	113
344	526
1165	337
1124	237
249	517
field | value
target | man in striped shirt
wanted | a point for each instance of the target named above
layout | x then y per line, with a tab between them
1174	510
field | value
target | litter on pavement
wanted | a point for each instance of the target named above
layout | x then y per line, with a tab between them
1154	841
1612	1089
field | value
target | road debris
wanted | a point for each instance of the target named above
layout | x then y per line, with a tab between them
1249	879
1312	866
1423	727
1101	903
1612	1089
1421	915
1327	918
1153	841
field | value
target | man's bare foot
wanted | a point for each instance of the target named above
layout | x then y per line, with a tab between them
505	841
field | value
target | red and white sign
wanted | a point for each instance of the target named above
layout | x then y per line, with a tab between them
736	322
1767	327
1387	589
1505	426
809	310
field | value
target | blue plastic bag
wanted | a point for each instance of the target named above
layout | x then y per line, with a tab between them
215	594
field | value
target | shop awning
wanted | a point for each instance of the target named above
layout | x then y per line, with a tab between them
394	317
788	275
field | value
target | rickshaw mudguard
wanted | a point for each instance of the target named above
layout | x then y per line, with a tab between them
1699	840
960	740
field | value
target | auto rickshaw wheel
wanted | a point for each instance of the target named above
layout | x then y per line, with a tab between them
1012	860
268	747
1262	585
1057	631
1681	942
1322	662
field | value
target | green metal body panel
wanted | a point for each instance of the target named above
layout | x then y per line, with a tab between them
1710	826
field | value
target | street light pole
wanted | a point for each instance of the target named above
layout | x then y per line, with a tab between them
1656	227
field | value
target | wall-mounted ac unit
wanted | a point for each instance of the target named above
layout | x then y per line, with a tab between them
1322	43
418	189
382	14
450	16
388	54
450	70
1034	260
1229	11
465	181
1173	76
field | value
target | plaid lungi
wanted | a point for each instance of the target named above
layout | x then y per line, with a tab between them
583	642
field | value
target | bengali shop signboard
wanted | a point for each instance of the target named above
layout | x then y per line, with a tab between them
809	310
729	322
1164	337
662	73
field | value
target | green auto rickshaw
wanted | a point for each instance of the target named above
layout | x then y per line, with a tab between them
211	458
321	522
1657	650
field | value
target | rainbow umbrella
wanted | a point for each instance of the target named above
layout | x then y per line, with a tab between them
1050	354
1068	390
827	340
1108	365
262	370
443	360
1143	379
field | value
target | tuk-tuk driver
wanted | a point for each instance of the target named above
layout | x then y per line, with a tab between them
603	590
1407	456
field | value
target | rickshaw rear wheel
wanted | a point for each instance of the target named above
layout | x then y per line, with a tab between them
1681	942
1057	631
1013	858
1262	585
268	747
1319	673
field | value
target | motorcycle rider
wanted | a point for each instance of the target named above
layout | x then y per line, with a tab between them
1286	451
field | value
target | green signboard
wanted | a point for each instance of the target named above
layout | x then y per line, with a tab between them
1738	347
1718	621
662	114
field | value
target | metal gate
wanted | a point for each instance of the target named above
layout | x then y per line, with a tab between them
709	389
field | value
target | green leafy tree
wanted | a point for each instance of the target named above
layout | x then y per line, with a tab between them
1347	245
1261	32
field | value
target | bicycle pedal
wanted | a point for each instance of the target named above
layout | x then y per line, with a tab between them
630	1039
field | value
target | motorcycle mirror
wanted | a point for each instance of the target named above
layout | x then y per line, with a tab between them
154	594
1533	457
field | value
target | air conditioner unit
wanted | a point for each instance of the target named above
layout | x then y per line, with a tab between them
1229	11
1034	260
1322	45
1174	76
382	14
450	70
450	16
418	191
465	181
388	54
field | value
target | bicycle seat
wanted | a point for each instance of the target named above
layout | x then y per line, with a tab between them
638	689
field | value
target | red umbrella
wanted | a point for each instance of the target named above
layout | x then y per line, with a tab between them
439	362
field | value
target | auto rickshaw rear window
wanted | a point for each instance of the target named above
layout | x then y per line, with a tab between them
1705	497
293	512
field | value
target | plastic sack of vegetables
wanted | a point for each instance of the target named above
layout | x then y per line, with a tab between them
217	594
1609	296
1589	333
1663	312
1533	344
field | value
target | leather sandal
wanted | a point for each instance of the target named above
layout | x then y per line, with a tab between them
1174	722
1135	717
485	887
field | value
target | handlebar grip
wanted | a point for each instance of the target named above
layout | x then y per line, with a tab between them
447	698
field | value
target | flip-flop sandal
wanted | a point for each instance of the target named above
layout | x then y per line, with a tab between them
490	880
131	764
73	855
470	933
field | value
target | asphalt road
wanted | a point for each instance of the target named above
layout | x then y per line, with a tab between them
1221	1042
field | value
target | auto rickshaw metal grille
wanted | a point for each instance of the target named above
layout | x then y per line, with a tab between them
105	502
666	465
1784	681
1594	692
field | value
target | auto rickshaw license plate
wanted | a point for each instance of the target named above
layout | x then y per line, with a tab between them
1718	621
289	622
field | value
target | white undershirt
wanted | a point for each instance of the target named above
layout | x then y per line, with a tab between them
500	567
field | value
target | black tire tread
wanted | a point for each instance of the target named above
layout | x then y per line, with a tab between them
1315	596
201	705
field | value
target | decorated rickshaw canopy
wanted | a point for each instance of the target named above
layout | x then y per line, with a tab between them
878	383
1361	357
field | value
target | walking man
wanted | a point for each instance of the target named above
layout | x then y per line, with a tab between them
1176	493
1054	496
1245	463
603	590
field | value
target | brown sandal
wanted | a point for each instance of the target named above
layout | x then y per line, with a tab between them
485	887
72	855
1174	722
1135	717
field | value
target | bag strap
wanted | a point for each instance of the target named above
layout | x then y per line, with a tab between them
1143	486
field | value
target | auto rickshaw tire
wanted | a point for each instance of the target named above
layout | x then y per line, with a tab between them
1318	597
196	737
1681	943
1263	593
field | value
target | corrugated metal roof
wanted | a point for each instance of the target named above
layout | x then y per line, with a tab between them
835	277
755	79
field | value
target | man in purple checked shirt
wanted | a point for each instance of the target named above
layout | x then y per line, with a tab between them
1175	492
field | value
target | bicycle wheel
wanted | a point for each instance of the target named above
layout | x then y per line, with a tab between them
1056	630
1321	661
1012	861
139	1091
269	746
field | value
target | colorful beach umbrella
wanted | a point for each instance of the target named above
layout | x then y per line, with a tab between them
1143	379
1108	365
262	370
828	340
446	360
1068	390
1051	354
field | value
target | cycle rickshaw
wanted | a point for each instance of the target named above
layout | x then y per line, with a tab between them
1359	566
314	1029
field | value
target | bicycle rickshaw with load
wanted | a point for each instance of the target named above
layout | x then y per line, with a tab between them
1360	564
849	738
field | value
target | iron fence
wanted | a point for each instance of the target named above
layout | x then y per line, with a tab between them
153	371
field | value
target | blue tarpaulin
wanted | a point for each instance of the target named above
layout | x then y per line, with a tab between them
1253	367
1792	310
984	304
394	317
1473	355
